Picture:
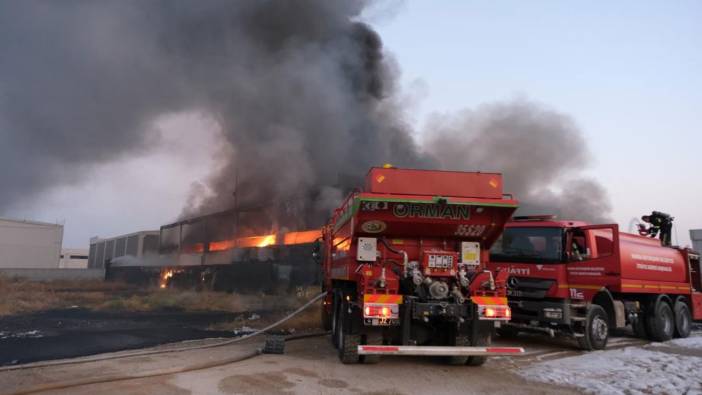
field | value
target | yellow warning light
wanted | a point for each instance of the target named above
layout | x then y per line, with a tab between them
388	166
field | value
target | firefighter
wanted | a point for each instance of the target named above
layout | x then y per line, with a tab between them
660	223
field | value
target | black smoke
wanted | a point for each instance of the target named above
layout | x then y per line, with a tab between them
304	95
302	92
542	154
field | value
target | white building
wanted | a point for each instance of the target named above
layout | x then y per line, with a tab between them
134	245
74	258
696	237
29	244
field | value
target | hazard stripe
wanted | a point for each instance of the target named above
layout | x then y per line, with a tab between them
381	348
489	300
513	350
381	298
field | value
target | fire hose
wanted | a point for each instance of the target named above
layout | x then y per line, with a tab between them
163	372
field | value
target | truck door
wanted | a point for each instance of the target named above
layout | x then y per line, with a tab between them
593	256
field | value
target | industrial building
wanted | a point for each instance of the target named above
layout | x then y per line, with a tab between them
74	258
132	245
30	244
696	237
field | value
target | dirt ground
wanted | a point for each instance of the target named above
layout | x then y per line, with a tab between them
310	366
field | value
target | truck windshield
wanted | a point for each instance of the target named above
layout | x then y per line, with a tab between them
529	244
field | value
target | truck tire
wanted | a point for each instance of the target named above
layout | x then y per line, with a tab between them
596	329
483	339
347	342
683	319
660	322
458	341
372	339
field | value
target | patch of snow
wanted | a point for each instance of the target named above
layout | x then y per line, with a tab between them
245	330
630	371
254	317
20	335
690	342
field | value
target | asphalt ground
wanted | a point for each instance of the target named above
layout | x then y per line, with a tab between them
69	333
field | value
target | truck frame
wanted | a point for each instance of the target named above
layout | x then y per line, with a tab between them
403	265
580	280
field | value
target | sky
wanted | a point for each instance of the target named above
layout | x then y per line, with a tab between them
628	73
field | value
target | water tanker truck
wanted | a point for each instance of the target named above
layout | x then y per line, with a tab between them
404	267
580	280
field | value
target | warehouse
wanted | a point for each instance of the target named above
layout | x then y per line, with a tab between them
29	244
133	245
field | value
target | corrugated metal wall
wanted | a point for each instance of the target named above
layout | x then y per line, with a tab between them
30	244
696	236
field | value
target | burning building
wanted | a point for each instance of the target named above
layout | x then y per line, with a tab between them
218	251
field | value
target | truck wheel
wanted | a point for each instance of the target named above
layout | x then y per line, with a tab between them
483	339
683	319
596	329
661	322
347	343
458	341
373	339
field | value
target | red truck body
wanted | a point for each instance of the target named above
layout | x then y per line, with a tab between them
404	265
565	274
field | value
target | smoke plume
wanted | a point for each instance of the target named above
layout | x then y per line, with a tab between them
541	153
303	93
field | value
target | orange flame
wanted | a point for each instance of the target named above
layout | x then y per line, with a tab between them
290	238
166	274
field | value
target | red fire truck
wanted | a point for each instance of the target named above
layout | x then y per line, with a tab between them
404	267
571	278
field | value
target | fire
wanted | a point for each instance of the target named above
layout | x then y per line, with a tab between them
266	241
166	274
290	238
243	242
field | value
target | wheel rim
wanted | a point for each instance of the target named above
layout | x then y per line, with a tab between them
599	328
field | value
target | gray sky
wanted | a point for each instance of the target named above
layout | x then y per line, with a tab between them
627	73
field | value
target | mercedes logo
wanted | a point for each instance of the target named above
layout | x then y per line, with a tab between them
513	282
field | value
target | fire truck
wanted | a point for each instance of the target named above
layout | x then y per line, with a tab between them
580	280
404	267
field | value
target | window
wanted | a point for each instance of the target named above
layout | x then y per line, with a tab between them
529	244
604	241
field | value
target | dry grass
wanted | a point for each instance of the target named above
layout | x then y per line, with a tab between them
20	296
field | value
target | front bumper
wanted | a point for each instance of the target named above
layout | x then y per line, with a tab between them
543	311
